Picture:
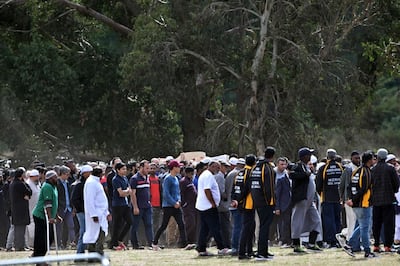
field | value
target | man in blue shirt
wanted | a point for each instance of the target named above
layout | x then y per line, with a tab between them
171	204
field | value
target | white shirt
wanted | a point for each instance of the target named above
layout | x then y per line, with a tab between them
35	195
207	181
96	205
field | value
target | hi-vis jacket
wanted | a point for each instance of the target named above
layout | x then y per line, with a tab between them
328	181
262	184
241	189
359	190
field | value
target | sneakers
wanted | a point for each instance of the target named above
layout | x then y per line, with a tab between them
262	258
377	249
190	247
341	239
122	245
223	252
205	254
314	248
369	255
155	247
298	249
285	246
348	250
244	257
389	249
118	248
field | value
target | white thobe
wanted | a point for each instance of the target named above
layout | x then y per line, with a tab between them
96	205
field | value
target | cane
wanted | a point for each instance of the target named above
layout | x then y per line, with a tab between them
47	232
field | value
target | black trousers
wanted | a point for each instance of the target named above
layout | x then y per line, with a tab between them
284	225
98	246
383	215
247	233
169	212
265	214
122	221
40	239
190	216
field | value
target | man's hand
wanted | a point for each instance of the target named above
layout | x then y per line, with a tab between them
277	212
135	211
234	203
109	217
177	205
349	202
95	219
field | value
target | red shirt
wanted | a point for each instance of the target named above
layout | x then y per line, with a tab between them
155	195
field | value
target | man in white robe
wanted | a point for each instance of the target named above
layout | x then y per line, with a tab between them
96	212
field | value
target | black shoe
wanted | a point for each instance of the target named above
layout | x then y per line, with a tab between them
244	257
314	248
270	254
369	255
348	250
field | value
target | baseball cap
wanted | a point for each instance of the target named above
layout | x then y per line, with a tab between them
174	163
50	174
305	151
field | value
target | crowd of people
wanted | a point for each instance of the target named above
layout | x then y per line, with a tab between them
233	203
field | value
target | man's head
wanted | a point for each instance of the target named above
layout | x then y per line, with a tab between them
144	167
51	177
331	154
282	164
97	171
34	175
115	161
355	158
269	153
214	167
86	170
71	165
382	154
19	173
305	154
391	159
368	158
64	172
189	172
174	167
152	169
250	159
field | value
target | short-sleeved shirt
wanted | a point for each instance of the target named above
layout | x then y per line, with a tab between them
207	181
142	186
48	197
119	182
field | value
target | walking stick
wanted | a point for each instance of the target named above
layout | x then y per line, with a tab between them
47	231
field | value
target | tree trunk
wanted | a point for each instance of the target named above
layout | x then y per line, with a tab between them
257	114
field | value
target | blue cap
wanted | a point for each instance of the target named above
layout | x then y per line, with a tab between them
305	151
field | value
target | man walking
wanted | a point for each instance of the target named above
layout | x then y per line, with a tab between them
385	184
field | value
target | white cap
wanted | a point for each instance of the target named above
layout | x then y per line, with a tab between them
169	158
390	157
233	161
241	161
86	168
34	172
313	159
206	160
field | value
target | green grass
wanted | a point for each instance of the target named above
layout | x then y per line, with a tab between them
183	257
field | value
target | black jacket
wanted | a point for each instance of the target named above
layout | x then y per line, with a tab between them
77	195
19	205
300	178
385	184
359	190
241	189
62	196
262	180
328	181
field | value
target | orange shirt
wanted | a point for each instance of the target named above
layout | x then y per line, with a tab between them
155	195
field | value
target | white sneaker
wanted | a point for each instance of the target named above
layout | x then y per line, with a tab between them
155	247
341	239
262	258
223	252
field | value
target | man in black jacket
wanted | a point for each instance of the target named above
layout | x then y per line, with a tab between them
327	184
385	184
78	203
263	193
305	216
20	193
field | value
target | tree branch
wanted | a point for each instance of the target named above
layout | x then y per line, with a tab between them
98	16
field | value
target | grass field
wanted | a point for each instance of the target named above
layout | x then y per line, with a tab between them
183	257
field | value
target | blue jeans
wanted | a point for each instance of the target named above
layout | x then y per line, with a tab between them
146	215
80	248
330	215
237	228
363	229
